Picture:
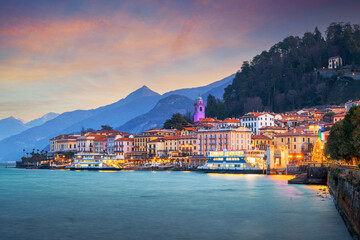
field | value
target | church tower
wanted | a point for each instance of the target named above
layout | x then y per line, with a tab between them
199	109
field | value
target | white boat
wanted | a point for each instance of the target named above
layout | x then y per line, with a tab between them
230	162
97	162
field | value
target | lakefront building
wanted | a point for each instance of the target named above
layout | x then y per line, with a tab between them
217	139
255	121
64	143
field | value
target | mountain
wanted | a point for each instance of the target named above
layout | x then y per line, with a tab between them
39	121
159	114
11	126
136	103
116	114
215	88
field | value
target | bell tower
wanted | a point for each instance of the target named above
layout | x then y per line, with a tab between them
199	109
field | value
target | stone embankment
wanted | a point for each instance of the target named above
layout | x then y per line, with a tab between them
344	186
311	174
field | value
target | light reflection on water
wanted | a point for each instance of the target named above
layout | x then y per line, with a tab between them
42	204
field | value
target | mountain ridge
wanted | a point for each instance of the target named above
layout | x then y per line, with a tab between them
137	103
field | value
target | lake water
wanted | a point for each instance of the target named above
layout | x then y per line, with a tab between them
46	204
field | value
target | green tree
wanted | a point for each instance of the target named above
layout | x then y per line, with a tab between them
106	127
283	77
177	121
343	141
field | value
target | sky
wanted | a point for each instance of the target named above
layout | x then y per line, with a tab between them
58	56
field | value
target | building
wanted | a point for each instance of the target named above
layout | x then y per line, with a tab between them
335	62
199	109
230	123
338	117
187	145
124	145
156	148
100	143
271	131
217	139
349	104
64	143
296	142
171	145
85	144
255	121
260	142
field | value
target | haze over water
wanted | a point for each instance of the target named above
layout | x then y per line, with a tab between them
44	204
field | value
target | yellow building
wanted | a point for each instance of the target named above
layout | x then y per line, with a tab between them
187	145
141	140
171	145
156	148
296	142
260	142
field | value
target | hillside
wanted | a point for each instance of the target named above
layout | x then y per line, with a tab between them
285	77
159	114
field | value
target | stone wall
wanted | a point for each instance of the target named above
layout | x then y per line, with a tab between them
345	191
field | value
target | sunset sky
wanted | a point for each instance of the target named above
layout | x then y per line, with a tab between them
66	55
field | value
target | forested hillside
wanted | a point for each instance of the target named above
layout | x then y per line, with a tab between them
285	77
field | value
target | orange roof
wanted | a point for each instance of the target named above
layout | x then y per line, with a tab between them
231	121
190	129
262	137
209	120
124	139
171	137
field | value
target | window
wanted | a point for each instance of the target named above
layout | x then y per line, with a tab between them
294	139
294	146
282	139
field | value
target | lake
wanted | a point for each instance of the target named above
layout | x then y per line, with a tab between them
55	204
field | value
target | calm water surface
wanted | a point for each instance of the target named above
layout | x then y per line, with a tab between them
45	204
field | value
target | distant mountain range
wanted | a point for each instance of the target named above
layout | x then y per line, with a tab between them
40	121
11	126
156	117
140	110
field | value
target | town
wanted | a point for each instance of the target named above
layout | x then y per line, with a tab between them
278	143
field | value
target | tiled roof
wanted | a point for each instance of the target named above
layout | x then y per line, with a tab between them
262	137
231	121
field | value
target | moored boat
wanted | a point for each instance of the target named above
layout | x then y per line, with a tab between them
94	162
231	162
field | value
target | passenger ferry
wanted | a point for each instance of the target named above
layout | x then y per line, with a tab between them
96	162
232	162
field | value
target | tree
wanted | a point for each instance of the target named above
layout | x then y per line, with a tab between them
215	108
328	117
177	121
106	127
284	79
90	130
343	141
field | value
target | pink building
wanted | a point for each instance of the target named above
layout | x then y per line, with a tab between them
199	109
228	138
124	145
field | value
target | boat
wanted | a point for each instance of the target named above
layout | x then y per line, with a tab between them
231	162
95	162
